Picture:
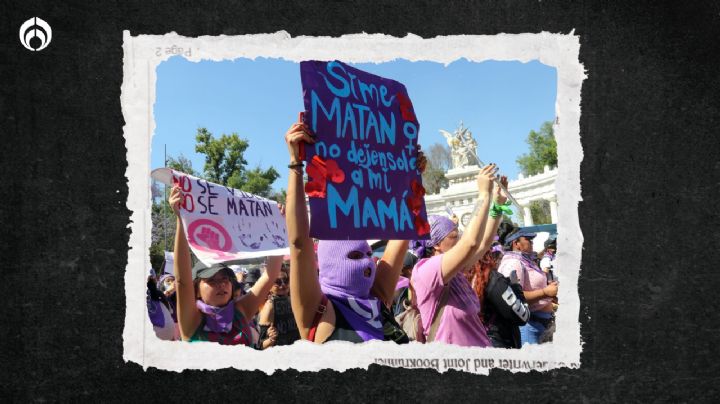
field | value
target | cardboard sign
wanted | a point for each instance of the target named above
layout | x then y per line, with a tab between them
224	224
363	180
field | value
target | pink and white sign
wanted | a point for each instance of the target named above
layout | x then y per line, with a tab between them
223	224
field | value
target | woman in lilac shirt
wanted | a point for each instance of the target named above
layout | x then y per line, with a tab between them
433	277
518	265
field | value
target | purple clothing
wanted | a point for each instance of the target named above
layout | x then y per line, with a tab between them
440	227
460	323
529	275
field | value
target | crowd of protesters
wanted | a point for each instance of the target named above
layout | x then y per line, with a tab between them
482	287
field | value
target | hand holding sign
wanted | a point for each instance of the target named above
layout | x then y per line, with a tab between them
485	178
500	196
223	223
175	198
294	138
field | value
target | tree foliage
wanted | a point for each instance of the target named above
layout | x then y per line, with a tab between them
225	163
163	232
543	151
540	211
182	164
438	162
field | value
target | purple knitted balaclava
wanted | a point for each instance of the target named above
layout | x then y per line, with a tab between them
440	227
341	275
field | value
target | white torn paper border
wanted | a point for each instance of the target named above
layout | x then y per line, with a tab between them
142	55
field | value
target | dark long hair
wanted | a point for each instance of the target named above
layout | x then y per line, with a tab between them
506	230
231	277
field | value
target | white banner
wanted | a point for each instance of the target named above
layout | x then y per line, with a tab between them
169	260
224	224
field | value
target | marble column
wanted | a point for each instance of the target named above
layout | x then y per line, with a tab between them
527	216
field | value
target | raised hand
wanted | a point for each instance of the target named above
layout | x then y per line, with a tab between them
485	178
421	162
500	196
294	137
176	196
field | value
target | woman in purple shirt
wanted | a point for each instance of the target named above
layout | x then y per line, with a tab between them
439	289
517	264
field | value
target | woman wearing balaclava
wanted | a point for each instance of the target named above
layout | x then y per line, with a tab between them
341	300
206	307
439	284
517	264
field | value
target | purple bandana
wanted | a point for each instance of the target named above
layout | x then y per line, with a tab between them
525	259
155	312
363	315
440	227
217	319
402	282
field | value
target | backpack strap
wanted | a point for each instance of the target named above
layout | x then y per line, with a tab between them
438	313
318	315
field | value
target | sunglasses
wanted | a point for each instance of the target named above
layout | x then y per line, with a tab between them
282	281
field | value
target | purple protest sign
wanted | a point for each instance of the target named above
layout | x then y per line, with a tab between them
363	180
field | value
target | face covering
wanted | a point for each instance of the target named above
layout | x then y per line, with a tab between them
341	275
347	272
217	319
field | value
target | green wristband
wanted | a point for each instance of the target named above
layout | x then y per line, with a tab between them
497	210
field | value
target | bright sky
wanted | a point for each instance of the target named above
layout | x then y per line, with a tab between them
500	102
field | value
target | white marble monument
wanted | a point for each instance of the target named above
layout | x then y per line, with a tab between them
461	193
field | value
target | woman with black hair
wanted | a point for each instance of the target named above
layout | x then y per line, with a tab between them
206	306
276	320
518	265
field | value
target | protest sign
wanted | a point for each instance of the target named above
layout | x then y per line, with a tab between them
223	224
169	261
363	180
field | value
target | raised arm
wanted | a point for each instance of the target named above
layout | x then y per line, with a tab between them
468	247
188	315
388	270
305	293
493	222
250	303
390	265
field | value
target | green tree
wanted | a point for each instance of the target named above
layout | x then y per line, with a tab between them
543	151
540	211
182	164
438	162
225	164
163	232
